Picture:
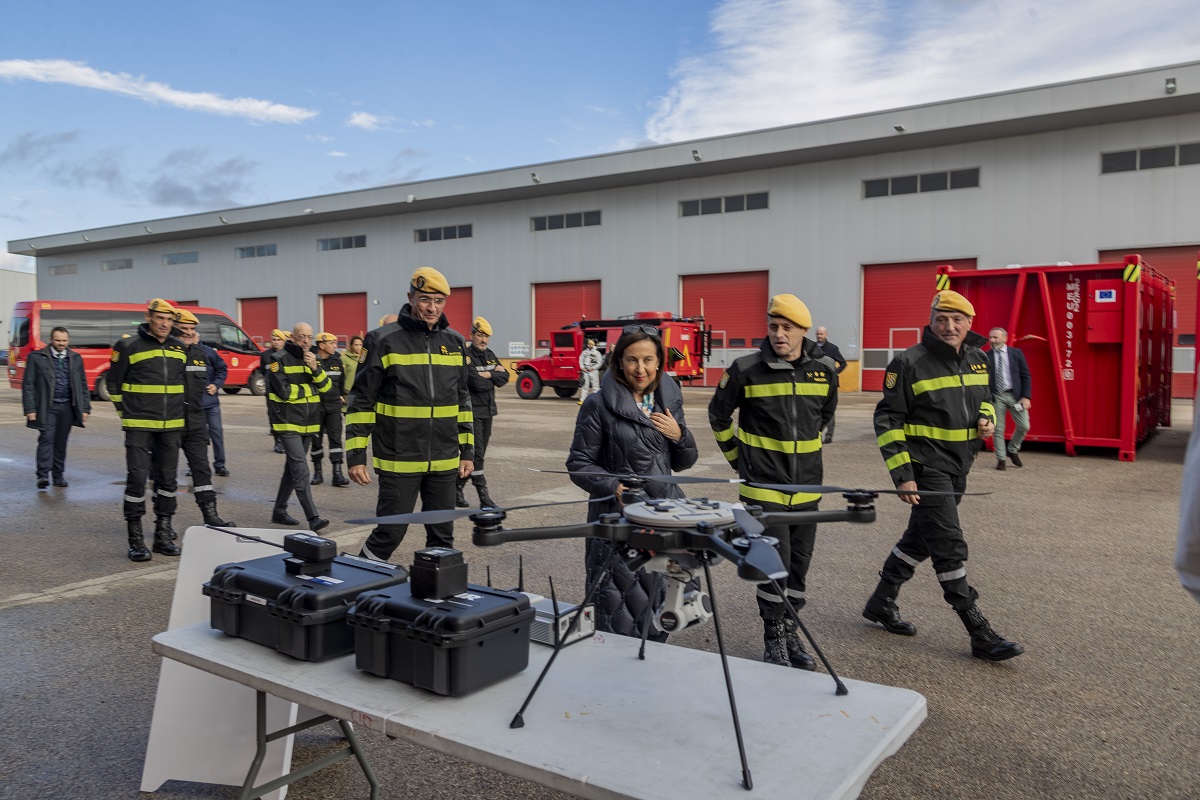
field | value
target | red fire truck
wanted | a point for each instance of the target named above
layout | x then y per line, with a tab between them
95	326
685	339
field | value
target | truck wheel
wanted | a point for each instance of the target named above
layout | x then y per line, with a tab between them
529	385
231	389
102	389
258	384
565	391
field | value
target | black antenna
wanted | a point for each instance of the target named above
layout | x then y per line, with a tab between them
520	573
554	606
489	576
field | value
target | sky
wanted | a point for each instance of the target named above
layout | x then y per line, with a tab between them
125	111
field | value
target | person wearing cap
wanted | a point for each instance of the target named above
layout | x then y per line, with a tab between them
590	362
145	381
278	340
205	372
329	413
484	374
411	403
295	384
936	408
783	395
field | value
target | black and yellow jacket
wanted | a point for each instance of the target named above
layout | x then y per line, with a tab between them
782	406
933	399
483	390
294	391
332	366
196	383
145	381
410	399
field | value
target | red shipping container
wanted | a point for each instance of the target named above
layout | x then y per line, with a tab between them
1098	339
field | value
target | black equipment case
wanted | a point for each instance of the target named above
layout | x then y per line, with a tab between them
273	602
451	647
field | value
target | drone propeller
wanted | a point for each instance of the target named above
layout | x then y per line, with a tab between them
630	476
451	514
810	488
750	525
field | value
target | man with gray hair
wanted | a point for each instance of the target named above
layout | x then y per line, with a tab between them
1011	389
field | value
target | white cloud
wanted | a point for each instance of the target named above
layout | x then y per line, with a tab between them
781	62
319	138
422	123
17	263
366	121
75	73
336	154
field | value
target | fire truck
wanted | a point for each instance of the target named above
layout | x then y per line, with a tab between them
685	340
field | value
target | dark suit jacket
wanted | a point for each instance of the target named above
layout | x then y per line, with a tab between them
1018	373
37	387
830	349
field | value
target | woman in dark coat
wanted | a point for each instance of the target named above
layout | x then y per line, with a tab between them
634	424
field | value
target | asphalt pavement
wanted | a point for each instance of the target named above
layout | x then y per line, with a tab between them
1072	557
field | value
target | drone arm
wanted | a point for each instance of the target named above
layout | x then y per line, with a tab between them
852	514
483	537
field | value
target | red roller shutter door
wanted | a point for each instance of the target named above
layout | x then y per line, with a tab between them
459	309
344	315
734	305
559	304
895	306
258	316
1178	264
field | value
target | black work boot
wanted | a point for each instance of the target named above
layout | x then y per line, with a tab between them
208	507
798	657
317	523
884	611
775	650
459	500
317	477
137	543
163	534
339	477
985	642
485	500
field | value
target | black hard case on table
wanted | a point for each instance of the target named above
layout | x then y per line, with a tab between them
451	647
303	616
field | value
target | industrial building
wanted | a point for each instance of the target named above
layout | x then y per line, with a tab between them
852	214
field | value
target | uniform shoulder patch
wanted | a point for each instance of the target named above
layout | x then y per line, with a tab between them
889	380
274	366
115	356
724	381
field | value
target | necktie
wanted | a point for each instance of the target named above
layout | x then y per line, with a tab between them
1002	369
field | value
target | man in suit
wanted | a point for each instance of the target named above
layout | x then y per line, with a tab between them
1011	389
55	396
835	354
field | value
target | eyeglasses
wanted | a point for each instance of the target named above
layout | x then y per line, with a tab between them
647	329
435	301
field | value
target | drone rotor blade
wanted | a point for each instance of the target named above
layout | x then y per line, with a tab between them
808	488
657	478
764	558
750	525
451	514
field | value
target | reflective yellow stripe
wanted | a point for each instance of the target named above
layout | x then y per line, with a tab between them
941	434
152	388
153	425
466	438
772	496
986	409
898	460
137	358
361	418
416	412
298	368
357	443
1132	273
787	389
296	400
975	379
413	359
466	416
445	465
725	435
887	438
779	445
284	427
730	454
452	360
116	398
947	382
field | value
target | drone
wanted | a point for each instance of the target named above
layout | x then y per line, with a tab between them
679	538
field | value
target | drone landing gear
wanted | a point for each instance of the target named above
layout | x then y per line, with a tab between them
779	589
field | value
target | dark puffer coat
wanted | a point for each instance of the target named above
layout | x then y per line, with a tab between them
613	435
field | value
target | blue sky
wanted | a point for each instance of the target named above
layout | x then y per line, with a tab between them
126	111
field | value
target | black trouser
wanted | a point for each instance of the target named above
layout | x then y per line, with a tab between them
398	494
52	439
295	474
933	532
829	428
195	450
149	452
795	549
483	434
331	428
216	434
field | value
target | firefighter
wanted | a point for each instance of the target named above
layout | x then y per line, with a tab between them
411	403
278	339
590	362
484	374
200	368
145	381
936	407
329	413
296	382
784	395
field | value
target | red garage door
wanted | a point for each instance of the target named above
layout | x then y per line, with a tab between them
559	304
344	315
895	306
258	316
1178	264
734	305
459	309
